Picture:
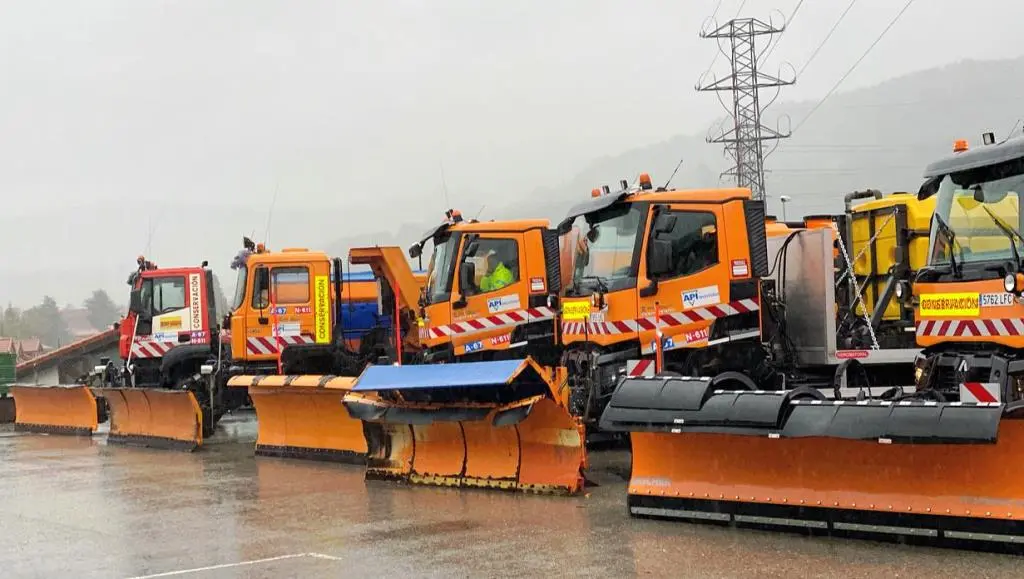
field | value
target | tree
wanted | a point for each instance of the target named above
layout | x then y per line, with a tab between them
45	322
10	323
103	312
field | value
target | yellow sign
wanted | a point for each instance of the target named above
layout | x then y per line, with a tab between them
322	309
576	310
958	304
172	323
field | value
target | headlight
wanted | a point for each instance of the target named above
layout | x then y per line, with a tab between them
1010	282
899	290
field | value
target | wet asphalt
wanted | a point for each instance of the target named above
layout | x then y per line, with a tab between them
72	507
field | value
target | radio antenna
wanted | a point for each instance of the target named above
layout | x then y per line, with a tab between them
270	213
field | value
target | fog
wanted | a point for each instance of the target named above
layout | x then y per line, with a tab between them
173	128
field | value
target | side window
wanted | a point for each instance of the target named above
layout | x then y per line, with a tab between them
489	265
261	289
291	285
694	242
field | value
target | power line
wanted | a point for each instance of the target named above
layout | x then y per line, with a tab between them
827	36
786	24
855	65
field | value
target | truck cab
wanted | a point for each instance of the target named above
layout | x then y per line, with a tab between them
688	258
300	307
490	290
967	300
167	332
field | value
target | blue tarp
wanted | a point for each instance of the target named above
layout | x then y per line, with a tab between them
461	375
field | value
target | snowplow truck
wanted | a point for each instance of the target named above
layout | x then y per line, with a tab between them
796	418
302	329
673	281
482	404
161	394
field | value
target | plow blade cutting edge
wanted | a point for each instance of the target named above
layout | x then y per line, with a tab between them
55	409
480	424
154	418
927	471
302	417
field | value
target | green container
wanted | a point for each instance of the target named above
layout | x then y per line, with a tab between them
7	375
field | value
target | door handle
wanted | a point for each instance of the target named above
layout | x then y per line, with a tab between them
263	321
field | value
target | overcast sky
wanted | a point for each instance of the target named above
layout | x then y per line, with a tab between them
163	110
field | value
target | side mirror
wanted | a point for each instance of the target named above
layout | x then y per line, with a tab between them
135	302
467	278
664	223
659	258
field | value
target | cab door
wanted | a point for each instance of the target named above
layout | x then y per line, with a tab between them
490	291
684	275
280	309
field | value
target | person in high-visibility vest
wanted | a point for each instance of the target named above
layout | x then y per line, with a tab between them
500	274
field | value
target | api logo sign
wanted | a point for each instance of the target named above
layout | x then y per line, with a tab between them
474	346
700	297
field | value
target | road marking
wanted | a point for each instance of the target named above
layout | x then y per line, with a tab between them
239	564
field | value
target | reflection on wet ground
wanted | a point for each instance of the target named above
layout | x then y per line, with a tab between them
79	508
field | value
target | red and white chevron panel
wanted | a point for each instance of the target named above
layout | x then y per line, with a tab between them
502	320
151	348
636	368
667	320
270	345
971	328
987	392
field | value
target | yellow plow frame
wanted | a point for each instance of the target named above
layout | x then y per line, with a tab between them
154	418
302	417
486	424
55	409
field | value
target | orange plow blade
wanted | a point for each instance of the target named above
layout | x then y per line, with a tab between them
919	470
302	417
481	424
55	409
154	418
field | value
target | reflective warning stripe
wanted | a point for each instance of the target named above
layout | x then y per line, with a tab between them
979	392
269	345
667	320
636	368
966	328
151	348
504	319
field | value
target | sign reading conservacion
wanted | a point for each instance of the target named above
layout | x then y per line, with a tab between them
952	304
322	309
195	302
576	310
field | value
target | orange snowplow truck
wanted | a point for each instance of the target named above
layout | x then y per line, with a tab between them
505	297
301	329
933	460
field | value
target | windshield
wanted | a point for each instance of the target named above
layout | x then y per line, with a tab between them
982	211
603	245
236	301
164	294
439	272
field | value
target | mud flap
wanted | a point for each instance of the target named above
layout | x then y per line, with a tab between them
302	417
478	424
55	409
154	418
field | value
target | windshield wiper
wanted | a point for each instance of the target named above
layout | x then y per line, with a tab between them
601	285
946	230
1010	232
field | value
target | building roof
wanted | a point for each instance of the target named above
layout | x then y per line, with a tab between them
7	346
95	342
